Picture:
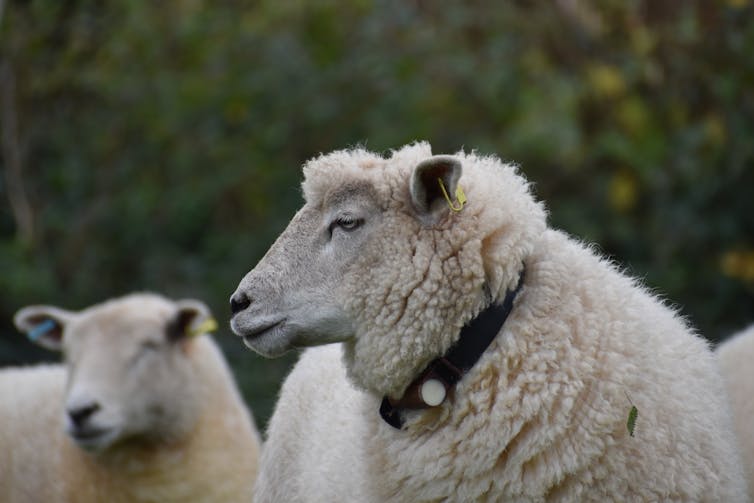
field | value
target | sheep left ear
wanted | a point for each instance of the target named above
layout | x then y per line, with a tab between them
44	325
429	179
191	317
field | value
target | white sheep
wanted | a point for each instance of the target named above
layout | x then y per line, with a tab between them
144	409
593	390
736	359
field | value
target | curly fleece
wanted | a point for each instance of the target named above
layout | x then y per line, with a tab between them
542	415
736	357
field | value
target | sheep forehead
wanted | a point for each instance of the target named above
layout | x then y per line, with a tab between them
356	192
129	318
344	167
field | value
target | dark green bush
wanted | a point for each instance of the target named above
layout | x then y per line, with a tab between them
157	145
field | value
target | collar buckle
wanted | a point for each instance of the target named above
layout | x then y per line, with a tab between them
439	379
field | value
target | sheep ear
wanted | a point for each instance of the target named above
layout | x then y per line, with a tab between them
426	192
191	317
44	325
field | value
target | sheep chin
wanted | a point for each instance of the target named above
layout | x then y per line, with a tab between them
271	341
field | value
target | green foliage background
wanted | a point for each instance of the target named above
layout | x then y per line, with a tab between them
157	145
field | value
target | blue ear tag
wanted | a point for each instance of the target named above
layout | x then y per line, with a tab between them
41	329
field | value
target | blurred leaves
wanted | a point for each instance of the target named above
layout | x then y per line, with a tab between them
161	142
738	264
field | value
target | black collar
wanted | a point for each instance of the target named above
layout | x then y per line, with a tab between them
446	371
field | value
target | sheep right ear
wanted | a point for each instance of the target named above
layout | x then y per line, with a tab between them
44	325
429	179
191	318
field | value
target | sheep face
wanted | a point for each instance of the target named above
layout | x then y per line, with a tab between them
378	259
128	366
294	289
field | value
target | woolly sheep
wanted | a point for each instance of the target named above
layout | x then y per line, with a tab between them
145	409
376	260
736	359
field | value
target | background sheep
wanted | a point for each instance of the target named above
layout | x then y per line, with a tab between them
736	359
376	259
145	409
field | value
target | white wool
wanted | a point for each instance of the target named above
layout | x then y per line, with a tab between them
542	416
437	274
214	460
736	359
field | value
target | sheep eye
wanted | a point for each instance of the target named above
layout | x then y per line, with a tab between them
149	346
145	348
346	223
349	223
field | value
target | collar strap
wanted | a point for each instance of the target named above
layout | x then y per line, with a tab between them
442	374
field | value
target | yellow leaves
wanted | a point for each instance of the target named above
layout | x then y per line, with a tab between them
714	130
643	40
605	80
678	112
189	7
738	4
738	264
235	111
623	191
535	62
629	110
633	116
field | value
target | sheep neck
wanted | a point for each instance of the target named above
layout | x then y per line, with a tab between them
475	338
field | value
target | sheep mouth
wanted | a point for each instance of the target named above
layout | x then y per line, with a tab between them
93	438
260	329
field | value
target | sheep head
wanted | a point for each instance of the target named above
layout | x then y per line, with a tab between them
377	258
128	366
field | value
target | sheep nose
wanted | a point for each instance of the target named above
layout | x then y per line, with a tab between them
81	413
239	302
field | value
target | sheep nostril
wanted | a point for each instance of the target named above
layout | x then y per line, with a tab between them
80	414
239	302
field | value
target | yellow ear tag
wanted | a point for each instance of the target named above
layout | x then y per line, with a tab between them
208	325
460	197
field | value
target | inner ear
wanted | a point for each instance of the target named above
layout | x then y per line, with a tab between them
43	325
188	316
179	325
426	193
47	332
